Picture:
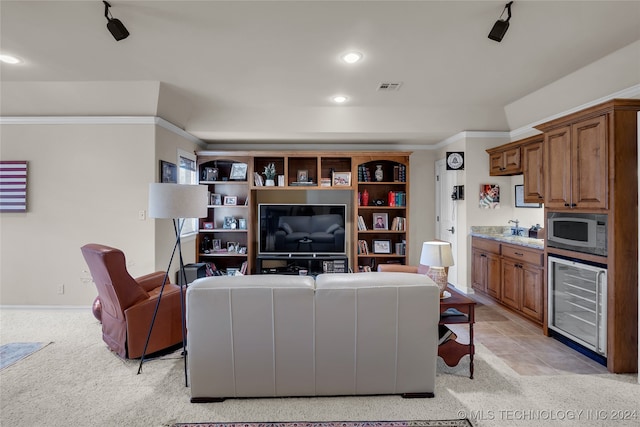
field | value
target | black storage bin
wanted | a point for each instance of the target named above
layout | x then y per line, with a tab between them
193	272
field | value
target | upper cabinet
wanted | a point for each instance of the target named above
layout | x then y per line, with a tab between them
532	162
505	160
577	155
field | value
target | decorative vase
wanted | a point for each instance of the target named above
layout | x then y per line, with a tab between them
270	183
379	174
365	198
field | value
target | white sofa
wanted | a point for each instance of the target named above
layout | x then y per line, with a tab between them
340	334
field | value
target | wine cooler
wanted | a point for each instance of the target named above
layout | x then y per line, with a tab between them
578	302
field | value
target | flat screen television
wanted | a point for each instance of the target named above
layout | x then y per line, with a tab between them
301	229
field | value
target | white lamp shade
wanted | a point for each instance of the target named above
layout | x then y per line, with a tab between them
436	254
177	200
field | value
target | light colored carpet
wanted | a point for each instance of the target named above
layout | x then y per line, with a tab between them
76	381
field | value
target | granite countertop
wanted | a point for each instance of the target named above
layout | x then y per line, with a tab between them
503	234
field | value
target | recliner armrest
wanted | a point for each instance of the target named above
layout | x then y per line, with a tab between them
148	282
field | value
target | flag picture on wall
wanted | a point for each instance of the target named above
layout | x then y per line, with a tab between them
13	186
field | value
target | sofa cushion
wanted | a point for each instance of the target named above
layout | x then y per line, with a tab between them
251	281
371	279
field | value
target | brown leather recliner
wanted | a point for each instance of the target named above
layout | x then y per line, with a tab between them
127	304
401	268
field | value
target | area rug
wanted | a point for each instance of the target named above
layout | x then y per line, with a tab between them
423	423
15	351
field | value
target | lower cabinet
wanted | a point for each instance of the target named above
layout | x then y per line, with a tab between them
486	269
510	274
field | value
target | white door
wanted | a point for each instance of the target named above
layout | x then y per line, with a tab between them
446	214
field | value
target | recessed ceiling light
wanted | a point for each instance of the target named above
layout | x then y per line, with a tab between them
8	59
352	57
339	99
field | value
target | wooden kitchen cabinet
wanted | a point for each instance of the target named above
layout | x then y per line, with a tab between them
577	165
599	146
486	266
523	281
513	275
532	169
505	160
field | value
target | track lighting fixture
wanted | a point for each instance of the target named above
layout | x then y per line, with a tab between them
115	27
500	27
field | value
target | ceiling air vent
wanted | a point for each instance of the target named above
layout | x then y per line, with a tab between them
389	86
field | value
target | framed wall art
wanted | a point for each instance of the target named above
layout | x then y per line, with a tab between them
168	172
520	203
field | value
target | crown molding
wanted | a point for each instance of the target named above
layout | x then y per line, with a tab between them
102	120
529	130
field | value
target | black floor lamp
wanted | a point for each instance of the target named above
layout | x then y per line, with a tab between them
176	202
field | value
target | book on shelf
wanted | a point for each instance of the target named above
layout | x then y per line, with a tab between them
364	175
243	268
398	224
363	247
361	224
257	179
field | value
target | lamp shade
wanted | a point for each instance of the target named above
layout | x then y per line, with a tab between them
436	254
177	200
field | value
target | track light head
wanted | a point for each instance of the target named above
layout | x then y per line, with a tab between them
115	26
501	26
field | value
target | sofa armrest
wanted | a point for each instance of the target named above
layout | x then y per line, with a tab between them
148	282
167	329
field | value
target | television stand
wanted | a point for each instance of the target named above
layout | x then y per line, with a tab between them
293	263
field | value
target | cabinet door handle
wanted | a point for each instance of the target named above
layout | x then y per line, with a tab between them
573	205
483	256
518	253
567	205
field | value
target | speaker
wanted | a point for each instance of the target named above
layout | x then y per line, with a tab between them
499	30
117	29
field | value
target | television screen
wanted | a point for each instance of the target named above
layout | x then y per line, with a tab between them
301	229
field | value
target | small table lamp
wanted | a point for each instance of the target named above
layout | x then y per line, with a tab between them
437	255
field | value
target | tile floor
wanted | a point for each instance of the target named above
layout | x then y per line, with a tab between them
521	344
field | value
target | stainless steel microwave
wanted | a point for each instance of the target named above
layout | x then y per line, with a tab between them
579	232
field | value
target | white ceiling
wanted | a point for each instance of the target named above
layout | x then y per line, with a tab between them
265	70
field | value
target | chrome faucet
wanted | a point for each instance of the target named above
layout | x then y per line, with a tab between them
516	232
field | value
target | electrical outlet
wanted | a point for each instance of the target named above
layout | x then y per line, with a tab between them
61	289
142	215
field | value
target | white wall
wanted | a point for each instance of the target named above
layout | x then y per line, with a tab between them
86	184
476	172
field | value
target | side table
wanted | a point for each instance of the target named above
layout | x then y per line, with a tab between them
452	351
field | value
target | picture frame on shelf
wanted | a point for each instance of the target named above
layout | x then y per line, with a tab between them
216	199
168	172
238	171
303	175
341	179
207	225
242	250
520	203
216	245
242	223
210	174
380	221
381	246
231	271
230	200
229	223
232	247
